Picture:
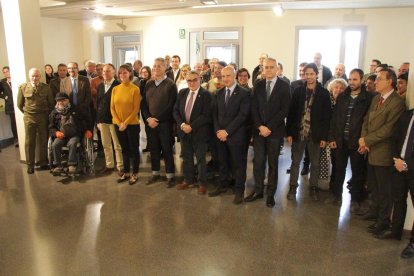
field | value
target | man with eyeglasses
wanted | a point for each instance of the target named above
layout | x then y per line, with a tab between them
376	140
192	113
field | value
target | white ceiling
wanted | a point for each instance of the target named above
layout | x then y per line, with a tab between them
87	9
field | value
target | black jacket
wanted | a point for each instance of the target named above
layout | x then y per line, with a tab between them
103	103
361	106
7	95
398	138
320	113
200	119
82	121
271	113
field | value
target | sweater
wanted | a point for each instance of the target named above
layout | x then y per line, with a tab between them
125	104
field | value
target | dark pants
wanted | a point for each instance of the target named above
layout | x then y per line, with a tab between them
265	148
306	159
129	141
160	141
380	187
189	148
147	133
36	138
402	183
232	158
358	165
57	146
13	125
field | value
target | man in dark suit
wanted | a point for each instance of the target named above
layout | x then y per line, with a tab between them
270	106
192	113
175	71
55	82
376	140
231	110
403	179
324	72
308	126
346	124
90	70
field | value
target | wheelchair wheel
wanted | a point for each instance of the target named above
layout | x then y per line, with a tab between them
50	153
89	156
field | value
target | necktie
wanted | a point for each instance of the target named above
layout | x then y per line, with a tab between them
380	103
227	98
268	91
74	92
189	107
410	144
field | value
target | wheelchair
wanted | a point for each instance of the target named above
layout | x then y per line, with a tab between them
84	154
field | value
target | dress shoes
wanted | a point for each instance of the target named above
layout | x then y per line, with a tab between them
253	196
372	226
388	235
292	193
30	170
369	216
238	199
106	170
202	190
170	183
270	201
408	251
217	192
43	168
183	186
379	230
305	170
153	179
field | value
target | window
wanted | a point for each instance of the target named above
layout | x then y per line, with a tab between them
221	43
119	49
337	45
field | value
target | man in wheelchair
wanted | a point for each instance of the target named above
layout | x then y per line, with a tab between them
67	125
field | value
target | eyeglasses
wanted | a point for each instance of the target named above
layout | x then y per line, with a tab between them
193	80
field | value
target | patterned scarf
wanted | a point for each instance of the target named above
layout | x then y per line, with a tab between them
306	118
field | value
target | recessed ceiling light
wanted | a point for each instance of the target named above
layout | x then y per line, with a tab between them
278	10
208	2
97	24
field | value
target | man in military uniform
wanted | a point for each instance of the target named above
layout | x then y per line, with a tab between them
35	100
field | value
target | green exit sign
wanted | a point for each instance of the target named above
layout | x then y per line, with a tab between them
181	33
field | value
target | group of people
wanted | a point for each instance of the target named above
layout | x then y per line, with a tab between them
326	118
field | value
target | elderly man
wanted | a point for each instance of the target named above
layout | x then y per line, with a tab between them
376	140
192	113
35	100
137	68
271	99
324	72
232	107
339	73
90	70
257	71
404	68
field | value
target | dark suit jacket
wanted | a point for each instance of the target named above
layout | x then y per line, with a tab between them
400	131
232	117
84	91
378	128
320	113
339	117
326	74
200	118
55	86
7	94
85	74
103	100
170	74
271	113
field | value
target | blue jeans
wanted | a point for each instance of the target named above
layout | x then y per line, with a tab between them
57	146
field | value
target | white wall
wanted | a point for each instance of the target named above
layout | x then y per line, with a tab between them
387	35
3	49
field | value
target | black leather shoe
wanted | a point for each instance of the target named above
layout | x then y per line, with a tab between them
292	193
270	201
43	168
369	216
170	183
30	170
238	199
253	196
305	170
408	251
379	230
214	193
372	226
388	235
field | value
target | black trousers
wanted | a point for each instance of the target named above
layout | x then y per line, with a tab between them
160	141
266	149
403	182
13	125
129	141
232	158
189	149
358	168
380	187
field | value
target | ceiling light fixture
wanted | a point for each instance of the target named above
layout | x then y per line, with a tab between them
97	24
122	25
278	10
208	2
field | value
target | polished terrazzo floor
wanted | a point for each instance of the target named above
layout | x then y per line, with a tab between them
94	226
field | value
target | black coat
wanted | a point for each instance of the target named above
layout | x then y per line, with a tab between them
103	103
82	121
320	113
271	113
200	119
361	106
233	117
7	94
398	138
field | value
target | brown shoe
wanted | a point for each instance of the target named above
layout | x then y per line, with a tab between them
182	186
72	169
202	190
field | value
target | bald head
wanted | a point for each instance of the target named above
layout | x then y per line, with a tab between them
228	76
339	70
34	76
317	58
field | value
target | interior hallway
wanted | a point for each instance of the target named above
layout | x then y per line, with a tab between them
94	226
